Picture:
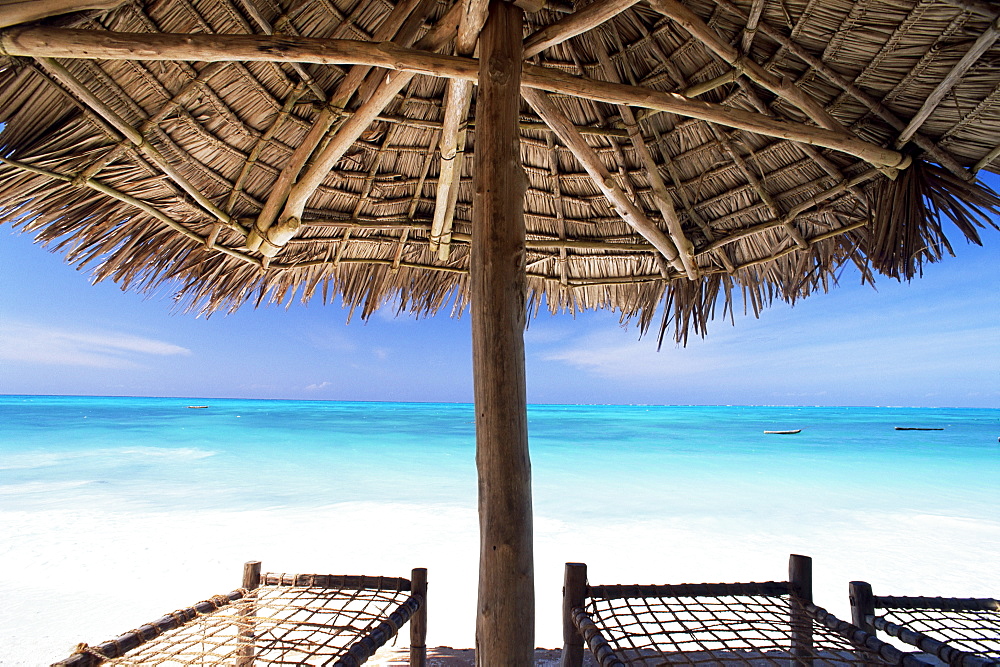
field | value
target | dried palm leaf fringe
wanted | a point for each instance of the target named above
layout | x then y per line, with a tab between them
906	228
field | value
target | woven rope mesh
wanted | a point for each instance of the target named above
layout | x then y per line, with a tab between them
724	630
974	631
284	625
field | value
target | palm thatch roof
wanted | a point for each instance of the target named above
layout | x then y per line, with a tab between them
681	154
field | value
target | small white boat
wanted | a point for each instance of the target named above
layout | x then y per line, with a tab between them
791	432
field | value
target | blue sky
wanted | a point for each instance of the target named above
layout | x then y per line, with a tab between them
933	342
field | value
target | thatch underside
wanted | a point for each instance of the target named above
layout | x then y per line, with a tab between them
167	174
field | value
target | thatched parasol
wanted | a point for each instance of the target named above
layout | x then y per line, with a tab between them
621	154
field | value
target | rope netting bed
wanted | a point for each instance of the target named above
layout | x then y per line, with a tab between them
735	625
958	631
288	619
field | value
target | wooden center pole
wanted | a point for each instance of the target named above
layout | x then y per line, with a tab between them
505	620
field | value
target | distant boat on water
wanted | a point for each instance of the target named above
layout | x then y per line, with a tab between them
791	432
197	407
917	428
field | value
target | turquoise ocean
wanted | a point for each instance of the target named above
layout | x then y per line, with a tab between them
103	497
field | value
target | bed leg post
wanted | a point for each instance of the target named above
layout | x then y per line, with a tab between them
574	596
800	582
251	581
862	605
418	623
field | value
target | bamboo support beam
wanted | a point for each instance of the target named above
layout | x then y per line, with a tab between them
664	203
979	48
14	12
505	620
411	213
707	86
987	159
574	24
455	129
321	126
625	249
176	102
750	30
345	136
453	132
820	159
624	207
980	7
289	220
125	46
265	25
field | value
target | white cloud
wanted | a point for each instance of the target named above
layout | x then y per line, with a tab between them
607	355
319	385
54	346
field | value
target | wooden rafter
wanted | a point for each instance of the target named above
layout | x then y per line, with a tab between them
557	81
557	203
268	29
346	134
660	195
133	135
602	178
987	159
824	163
793	213
874	105
742	62
979	48
574	24
321	126
262	143
758	187
126	198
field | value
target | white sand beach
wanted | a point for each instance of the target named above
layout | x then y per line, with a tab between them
89	574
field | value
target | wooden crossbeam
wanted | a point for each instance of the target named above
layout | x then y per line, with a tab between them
196	47
987	159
